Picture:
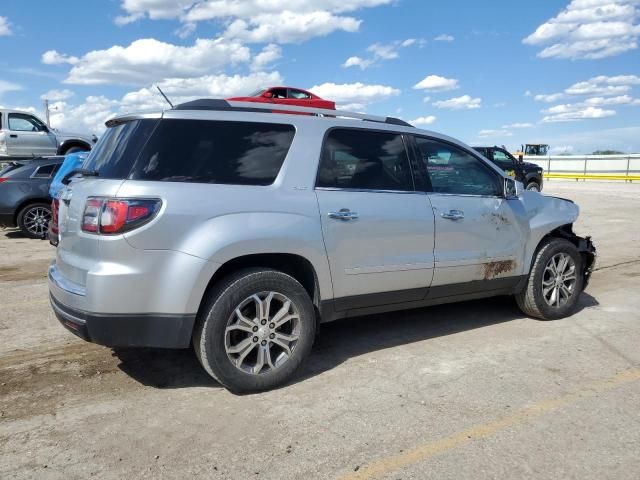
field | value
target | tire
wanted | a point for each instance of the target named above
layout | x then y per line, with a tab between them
33	219
212	339
533	187
536	301
75	149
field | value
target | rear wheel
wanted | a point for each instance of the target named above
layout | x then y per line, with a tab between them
533	187
255	331
33	220
555	281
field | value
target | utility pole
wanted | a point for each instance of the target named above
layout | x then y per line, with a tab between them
46	112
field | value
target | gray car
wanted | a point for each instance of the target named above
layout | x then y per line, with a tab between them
238	230
24	135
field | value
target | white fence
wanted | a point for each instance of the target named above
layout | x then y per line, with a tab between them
627	165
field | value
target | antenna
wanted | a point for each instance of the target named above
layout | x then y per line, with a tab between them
165	97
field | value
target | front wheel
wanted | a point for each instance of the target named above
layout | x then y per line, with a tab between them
555	281
33	220
533	187
255	331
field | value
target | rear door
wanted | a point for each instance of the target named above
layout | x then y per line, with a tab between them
28	136
478	236
378	229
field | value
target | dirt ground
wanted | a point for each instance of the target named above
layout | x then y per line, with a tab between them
456	391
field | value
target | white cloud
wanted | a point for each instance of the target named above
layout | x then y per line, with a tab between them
464	102
604	85
428	120
348	94
185	30
88	117
289	27
435	83
426	99
266	57
52	57
381	51
57	95
527	93
589	29
518	125
276	21
5	27
494	133
550	98
572	113
148	60
8	87
444	38
357	62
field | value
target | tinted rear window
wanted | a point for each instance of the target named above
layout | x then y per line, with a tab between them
199	151
117	150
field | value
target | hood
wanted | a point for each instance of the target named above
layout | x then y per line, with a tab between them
549	210
530	166
64	135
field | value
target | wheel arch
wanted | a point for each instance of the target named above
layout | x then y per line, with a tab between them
292	264
67	144
25	203
583	244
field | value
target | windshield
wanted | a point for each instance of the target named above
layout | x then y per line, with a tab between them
257	93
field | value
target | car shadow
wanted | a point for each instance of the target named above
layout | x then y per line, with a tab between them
338	341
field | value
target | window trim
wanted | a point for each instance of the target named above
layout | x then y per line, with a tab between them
402	135
34	174
471	152
20	114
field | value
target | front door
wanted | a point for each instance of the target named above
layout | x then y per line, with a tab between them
29	137
378	230
478	235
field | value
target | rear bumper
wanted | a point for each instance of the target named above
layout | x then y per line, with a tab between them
122	330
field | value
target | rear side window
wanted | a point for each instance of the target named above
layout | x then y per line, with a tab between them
117	150
199	151
45	171
364	160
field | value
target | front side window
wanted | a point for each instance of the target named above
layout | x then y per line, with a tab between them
455	171
200	151
20	122
278	93
503	160
299	94
365	160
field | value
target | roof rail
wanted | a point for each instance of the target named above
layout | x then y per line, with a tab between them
227	105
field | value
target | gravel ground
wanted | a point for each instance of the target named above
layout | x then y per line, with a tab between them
457	391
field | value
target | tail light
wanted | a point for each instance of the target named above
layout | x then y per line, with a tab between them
110	216
53	224
3	179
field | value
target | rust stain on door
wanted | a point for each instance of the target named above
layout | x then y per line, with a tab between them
494	269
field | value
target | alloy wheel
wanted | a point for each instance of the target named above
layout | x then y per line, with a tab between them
262	332
36	220
559	280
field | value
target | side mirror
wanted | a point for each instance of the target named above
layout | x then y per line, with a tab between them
267	95
512	188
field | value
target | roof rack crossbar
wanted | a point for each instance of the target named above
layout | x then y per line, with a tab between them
219	104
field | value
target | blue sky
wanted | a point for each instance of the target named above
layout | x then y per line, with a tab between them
501	72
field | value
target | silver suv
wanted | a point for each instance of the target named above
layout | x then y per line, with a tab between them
238	230
23	135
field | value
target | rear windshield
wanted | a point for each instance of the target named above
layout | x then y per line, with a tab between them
198	151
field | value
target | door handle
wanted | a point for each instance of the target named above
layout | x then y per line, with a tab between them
453	215
13	135
344	214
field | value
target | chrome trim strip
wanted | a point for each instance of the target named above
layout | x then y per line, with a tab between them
64	284
364	190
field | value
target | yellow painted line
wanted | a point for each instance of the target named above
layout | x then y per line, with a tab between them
436	447
593	176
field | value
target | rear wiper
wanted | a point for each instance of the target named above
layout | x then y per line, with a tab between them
78	171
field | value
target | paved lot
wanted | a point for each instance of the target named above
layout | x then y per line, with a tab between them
473	390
